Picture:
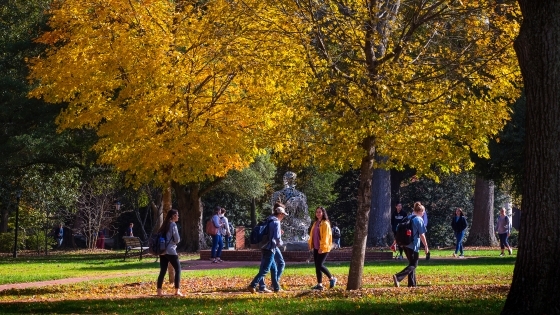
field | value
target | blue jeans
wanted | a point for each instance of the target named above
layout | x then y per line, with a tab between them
459	237
277	269
217	245
267	261
503	240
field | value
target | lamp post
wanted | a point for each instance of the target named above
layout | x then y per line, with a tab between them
18	195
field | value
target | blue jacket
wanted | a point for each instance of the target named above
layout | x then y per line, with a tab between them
274	233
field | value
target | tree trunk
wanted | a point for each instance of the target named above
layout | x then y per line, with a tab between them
379	225
362	217
481	232
190	216
253	212
535	288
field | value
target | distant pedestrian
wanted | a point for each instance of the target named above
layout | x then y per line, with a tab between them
225	228
217	240
503	228
459	225
411	250
100	240
59	235
336	235
396	217
172	238
320	241
269	250
129	231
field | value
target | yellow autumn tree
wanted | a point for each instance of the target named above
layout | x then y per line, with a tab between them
179	92
397	83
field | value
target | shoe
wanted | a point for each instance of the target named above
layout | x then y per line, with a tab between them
178	292
332	282
219	260
396	281
510	251
461	256
265	290
318	287
502	255
454	255
400	257
215	261
251	289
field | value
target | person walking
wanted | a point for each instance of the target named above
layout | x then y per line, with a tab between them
503	228
411	250
60	235
269	251
225	229
320	241
336	235
397	216
129	231
172	238
459	225
217	240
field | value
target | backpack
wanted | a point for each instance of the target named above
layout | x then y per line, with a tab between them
211	229
259	234
403	236
157	244
336	232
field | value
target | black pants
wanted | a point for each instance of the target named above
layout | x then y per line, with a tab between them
164	260
319	267
410	270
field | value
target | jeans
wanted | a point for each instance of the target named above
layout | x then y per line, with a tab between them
459	237
229	241
503	240
217	245
277	269
267	260
337	242
163	262
410	270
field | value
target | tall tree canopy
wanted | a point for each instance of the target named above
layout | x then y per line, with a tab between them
418	83
176	90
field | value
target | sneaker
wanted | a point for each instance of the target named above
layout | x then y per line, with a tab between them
400	257
509	251
396	281
215	261
251	289
318	287
219	260
502	255
461	256
332	282
265	290
454	255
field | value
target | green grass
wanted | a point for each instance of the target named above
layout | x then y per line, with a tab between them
446	286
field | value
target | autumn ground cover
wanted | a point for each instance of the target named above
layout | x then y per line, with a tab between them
478	284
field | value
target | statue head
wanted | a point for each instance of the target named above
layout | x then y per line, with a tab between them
289	179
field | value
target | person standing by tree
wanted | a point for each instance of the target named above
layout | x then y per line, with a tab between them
503	228
396	218
172	238
217	240
459	225
60	235
411	250
320	241
270	250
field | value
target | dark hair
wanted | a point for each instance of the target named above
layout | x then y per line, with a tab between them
167	222
460	210
217	210
325	215
222	210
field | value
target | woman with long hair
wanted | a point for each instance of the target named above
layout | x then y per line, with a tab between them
320	242
459	225
172	238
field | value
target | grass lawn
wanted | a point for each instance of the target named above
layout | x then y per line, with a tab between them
478	284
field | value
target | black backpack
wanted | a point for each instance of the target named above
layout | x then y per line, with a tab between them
404	231
259	234
157	244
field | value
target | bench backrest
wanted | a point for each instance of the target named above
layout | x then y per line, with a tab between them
132	241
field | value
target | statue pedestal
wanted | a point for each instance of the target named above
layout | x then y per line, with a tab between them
295	246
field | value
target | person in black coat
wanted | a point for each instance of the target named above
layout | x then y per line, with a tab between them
396	217
459	225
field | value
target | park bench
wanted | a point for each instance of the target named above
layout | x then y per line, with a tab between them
133	243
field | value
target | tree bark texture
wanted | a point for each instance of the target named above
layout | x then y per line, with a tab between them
362	217
379	226
190	216
535	287
481	232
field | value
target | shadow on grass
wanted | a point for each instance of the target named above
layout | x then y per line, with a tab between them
32	291
310	305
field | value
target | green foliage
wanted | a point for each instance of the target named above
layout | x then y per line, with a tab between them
343	209
318	188
36	241
7	241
